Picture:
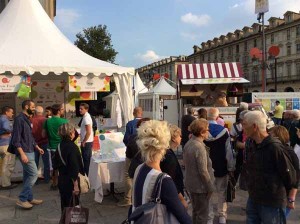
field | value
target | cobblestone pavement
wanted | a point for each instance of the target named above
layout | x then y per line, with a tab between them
105	213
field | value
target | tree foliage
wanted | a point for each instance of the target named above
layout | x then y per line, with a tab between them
96	41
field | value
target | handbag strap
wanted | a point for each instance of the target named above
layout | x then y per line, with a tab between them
59	152
157	188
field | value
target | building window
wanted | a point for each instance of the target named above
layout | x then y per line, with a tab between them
298	48
289	70
216	55
246	46
208	57
229	51
255	43
298	30
255	77
289	18
272	38
237	49
222	53
288	50
298	69
202	58
288	34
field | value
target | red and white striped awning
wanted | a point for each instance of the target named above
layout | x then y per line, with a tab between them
210	73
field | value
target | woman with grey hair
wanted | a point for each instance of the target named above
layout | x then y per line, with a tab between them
69	164
199	178
153	140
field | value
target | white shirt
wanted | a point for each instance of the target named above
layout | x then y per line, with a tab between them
86	120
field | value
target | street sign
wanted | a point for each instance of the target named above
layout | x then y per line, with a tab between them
261	6
255	53
274	51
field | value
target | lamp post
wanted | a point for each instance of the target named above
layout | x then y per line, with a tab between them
273	61
261	7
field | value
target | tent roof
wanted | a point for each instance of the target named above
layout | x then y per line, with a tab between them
162	88
31	42
138	85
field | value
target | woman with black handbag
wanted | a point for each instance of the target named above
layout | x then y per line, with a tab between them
153	141
69	164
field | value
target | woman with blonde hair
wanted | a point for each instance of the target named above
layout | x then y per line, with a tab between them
170	164
199	178
153	140
69	163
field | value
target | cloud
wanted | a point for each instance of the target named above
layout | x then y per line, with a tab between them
197	20
234	6
66	20
150	56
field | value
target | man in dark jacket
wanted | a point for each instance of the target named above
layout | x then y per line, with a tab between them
25	145
270	174
186	120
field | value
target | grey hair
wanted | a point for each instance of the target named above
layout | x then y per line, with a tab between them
39	110
213	113
190	110
244	106
258	118
65	130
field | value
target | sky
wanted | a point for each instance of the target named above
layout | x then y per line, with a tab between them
145	31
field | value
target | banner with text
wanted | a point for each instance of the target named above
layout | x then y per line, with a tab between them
10	83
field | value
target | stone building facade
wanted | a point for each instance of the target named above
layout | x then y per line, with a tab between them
165	66
235	46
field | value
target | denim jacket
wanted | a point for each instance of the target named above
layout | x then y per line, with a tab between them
22	134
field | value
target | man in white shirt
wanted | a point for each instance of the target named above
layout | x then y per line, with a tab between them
86	136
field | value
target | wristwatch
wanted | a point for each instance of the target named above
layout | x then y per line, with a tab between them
291	200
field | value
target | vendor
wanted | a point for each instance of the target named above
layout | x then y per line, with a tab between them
214	96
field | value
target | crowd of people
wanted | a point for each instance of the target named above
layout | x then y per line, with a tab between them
258	157
261	157
37	133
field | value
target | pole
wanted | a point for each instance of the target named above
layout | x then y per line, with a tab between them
263	69
275	71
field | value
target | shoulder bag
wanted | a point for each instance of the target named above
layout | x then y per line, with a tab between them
84	182
154	211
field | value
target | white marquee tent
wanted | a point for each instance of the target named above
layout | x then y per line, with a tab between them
112	99
31	43
152	101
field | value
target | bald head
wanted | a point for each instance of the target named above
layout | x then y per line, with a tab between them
138	112
212	114
39	110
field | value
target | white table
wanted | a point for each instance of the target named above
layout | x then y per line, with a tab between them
105	173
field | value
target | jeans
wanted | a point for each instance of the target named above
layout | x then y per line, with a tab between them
30	176
257	213
86	152
8	165
277	121
46	161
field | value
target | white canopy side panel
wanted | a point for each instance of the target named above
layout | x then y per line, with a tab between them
31	42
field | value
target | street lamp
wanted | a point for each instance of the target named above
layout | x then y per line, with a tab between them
273	61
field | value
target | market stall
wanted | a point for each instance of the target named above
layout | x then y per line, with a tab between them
33	48
152	101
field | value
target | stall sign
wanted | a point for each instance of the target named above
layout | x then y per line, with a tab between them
90	83
9	83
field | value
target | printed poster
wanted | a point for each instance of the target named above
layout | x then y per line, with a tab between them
90	83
